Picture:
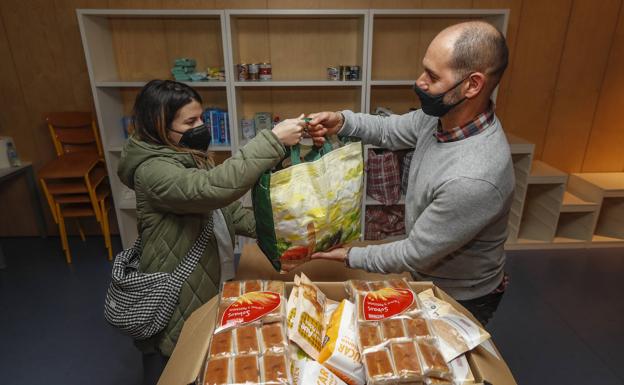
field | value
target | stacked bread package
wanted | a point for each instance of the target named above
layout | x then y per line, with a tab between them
249	344
394	335
385	334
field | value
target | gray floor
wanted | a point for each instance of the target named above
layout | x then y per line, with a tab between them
559	323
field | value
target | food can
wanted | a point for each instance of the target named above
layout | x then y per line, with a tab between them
333	73
266	72
243	72
354	73
344	72
254	73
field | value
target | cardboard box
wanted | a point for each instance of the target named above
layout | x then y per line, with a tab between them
188	356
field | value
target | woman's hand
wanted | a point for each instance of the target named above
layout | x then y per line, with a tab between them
289	131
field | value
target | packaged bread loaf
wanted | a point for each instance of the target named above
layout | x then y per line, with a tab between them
406	361
457	333
433	363
340	352
379	368
249	344
307	318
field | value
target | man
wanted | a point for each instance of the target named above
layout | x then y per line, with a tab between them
461	177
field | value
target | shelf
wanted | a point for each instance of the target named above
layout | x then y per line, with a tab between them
518	145
575	227
392	82
150	13
542	173
612	183
300	83
115	149
573	204
131	84
605	239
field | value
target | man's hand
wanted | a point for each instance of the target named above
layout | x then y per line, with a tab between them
323	124
339	255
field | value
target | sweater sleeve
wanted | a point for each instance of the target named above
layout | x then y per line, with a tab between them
395	132
461	208
170	187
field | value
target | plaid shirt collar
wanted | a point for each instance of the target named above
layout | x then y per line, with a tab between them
477	125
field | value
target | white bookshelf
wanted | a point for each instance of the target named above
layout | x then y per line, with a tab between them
299	85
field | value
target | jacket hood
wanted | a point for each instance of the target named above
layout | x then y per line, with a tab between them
135	152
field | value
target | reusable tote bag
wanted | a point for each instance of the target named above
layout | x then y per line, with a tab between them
311	206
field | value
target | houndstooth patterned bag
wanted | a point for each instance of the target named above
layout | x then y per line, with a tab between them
141	304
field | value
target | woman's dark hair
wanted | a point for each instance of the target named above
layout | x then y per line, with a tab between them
156	107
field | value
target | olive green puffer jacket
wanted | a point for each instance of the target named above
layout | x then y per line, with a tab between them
174	199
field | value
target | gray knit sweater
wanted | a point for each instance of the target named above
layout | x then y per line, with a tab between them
456	208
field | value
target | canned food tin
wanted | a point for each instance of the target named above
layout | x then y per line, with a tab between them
266	71
345	72
254	69
333	73
243	72
354	73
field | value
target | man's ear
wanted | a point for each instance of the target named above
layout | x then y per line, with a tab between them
476	84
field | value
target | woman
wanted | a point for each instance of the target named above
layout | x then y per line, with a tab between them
178	189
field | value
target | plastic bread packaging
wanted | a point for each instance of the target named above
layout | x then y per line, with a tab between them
358	286
307	328
245	369
457	333
462	373
407	364
314	373
246	337
386	302
274	368
273	338
379	367
298	362
432	361
340	352
221	344
217	371
255	303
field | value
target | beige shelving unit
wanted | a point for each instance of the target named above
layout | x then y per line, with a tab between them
126	48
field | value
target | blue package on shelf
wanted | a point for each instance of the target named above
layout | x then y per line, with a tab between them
127	125
215	126
228	140
223	135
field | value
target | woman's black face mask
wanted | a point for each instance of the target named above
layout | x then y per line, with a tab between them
197	138
434	104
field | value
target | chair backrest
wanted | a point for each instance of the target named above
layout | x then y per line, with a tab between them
74	131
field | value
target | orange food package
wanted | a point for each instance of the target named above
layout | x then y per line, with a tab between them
221	344
369	335
245	369
275	369
406	361
417	327
273	337
247	339
392	328
379	368
217	371
433	363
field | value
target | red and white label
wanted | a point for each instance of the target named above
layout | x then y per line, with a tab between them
250	307
385	303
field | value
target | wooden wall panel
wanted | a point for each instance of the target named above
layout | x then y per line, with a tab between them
583	64
605	148
535	66
563	88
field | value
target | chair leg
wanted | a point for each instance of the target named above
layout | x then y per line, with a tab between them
63	234
106	230
80	230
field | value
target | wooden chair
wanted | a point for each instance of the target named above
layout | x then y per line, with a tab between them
75	186
74	131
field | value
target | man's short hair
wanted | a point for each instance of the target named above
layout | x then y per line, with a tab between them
480	47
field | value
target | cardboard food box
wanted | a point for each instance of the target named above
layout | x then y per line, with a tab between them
187	359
